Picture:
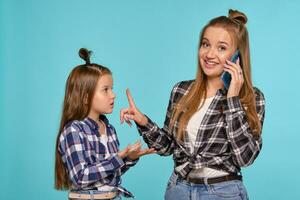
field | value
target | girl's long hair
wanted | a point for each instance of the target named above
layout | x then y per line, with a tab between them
79	92
235	24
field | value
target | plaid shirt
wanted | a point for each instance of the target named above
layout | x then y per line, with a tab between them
84	155
224	140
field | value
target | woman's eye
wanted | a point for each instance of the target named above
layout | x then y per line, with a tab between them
205	44
222	48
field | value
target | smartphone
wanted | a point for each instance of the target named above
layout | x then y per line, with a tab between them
226	77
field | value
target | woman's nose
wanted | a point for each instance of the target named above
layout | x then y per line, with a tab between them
210	53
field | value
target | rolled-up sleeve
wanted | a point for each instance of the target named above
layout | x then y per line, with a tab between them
245	145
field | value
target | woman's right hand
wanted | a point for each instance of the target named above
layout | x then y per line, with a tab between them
132	113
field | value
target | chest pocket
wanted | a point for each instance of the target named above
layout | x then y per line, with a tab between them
95	150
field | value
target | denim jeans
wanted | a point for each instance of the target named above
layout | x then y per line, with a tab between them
178	189
118	197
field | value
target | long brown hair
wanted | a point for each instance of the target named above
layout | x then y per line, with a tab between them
79	93
235	25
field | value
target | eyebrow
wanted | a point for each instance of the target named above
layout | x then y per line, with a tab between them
220	42
105	86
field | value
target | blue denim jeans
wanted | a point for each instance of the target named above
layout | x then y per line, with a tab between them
118	197
178	189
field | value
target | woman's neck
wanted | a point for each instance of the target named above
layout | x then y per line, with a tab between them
213	85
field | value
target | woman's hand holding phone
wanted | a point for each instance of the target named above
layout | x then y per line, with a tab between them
237	77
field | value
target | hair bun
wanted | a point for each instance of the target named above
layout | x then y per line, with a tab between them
237	16
85	55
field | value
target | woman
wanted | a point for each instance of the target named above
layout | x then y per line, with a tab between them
211	130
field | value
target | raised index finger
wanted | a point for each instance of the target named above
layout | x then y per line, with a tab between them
130	99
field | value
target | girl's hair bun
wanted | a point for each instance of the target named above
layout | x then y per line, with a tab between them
85	55
237	16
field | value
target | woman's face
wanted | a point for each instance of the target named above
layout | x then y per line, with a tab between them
216	47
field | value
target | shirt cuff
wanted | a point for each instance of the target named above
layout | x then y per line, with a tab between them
147	128
232	104
130	162
117	161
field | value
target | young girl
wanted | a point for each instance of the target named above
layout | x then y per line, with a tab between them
211	130
88	160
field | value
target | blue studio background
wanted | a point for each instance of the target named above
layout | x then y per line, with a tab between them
149	46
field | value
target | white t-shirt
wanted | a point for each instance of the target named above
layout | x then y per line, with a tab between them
192	130
104	140
195	121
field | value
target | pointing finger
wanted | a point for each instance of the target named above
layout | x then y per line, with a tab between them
130	99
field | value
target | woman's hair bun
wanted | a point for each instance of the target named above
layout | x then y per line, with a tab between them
85	55
237	16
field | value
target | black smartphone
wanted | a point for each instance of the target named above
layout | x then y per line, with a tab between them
226	77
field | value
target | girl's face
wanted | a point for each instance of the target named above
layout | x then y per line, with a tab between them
216	47
103	101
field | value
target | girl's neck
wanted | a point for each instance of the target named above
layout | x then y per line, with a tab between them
213	85
100	123
94	117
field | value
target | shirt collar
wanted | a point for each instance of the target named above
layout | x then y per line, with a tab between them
222	91
93	124
104	119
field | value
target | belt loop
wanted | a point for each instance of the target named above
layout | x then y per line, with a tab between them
207	186
205	181
92	194
175	177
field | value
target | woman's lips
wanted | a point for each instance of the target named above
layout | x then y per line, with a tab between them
210	64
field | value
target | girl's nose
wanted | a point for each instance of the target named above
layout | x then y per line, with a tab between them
113	95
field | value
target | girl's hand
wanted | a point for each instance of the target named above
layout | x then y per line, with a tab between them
132	113
135	151
237	77
124	153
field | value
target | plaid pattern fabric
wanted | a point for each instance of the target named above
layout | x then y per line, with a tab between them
224	140
84	155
